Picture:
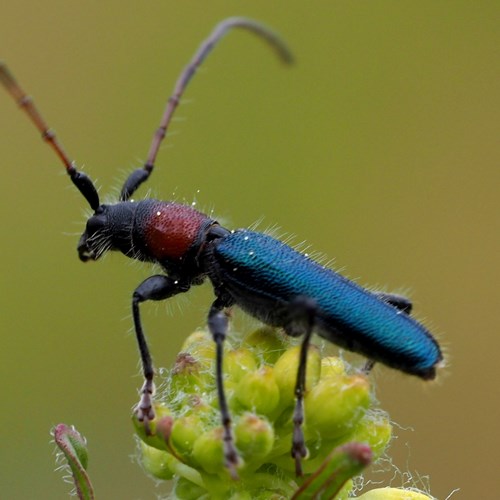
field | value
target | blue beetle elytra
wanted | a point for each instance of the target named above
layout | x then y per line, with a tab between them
263	276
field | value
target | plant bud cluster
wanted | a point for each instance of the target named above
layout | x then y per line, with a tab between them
260	371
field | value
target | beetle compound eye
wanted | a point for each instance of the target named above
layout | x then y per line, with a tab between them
97	224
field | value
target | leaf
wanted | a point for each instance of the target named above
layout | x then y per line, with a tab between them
74	447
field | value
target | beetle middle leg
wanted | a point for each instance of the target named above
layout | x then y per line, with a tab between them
218	323
302	313
156	287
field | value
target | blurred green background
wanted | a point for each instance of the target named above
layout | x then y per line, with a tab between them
380	148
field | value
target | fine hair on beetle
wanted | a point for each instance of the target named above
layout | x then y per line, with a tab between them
260	274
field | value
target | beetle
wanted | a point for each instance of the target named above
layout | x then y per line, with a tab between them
266	278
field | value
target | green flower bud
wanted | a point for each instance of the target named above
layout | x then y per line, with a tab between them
159	428
254	437
258	391
185	431
239	362
285	372
190	374
199	344
267	342
156	462
393	494
332	367
334	406
197	404
208	451
374	429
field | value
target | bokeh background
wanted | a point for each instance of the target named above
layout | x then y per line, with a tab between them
380	148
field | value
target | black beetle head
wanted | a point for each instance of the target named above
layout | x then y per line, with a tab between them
97	236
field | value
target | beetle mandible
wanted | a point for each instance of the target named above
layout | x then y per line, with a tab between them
263	276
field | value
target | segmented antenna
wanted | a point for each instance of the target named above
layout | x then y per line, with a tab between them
137	177
25	102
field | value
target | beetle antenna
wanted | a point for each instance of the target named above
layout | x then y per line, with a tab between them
137	177
25	102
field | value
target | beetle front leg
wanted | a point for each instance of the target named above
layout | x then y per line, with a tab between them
156	287
301	319
218	324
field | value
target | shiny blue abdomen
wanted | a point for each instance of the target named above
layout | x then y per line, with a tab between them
263	275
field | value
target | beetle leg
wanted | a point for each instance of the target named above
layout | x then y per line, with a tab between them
368	367
401	303
218	323
302	316
156	287
398	301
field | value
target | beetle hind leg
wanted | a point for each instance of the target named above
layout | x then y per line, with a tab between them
302	314
401	303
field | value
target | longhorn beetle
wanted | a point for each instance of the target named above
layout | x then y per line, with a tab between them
263	276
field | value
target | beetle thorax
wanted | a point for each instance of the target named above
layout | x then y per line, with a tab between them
170	230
